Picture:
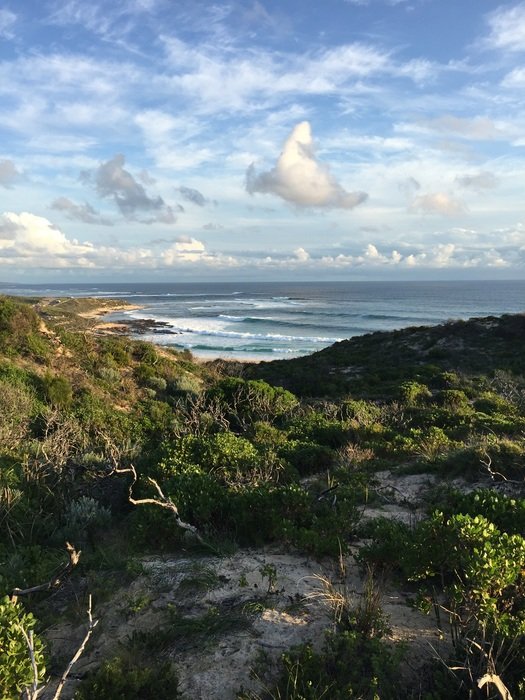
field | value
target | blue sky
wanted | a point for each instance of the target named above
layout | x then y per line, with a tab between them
345	139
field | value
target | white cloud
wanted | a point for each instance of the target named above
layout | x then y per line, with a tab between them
301	255
7	21
256	79
514	79
299	178
507	28
437	203
30	241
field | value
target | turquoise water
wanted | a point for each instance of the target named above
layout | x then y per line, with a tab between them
279	320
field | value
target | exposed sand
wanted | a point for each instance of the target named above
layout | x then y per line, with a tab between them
102	310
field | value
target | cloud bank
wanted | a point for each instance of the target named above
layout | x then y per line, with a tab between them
298	177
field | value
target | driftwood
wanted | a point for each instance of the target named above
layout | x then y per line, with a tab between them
56	580
162	500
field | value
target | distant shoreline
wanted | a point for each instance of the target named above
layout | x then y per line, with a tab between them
142	326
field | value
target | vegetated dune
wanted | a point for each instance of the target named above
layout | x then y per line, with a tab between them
346	524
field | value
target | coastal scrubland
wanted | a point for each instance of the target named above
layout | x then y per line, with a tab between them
348	524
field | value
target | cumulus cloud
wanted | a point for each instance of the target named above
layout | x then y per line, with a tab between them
437	203
30	241
299	178
8	173
478	181
80	212
113	181
301	255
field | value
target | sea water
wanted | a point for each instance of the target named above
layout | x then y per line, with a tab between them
270	320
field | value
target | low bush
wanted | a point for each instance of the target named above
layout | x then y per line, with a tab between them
124	678
16	669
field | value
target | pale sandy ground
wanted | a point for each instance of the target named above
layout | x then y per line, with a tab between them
102	310
294	613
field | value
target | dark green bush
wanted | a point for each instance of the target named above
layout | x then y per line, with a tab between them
349	666
307	457
122	678
316	427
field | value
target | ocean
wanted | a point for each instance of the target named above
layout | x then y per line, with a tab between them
271	320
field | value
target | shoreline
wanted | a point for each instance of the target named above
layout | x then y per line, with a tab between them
103	310
148	326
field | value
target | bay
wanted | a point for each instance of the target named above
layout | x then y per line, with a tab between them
276	320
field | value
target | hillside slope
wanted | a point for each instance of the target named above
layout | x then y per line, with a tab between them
373	363
319	527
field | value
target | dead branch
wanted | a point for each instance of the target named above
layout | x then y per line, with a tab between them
495	680
91	626
162	501
56	580
34	691
487	463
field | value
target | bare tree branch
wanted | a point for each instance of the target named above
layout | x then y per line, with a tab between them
55	580
495	680
487	463
163	501
34	691
91	626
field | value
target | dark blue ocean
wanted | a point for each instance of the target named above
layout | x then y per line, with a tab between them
273	320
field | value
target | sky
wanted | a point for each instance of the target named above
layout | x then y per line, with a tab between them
174	140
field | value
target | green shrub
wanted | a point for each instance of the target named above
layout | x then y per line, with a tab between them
252	400
126	679
184	385
318	428
414	393
349	666
109	374
18	321
157	383
16	670
83	517
506	513
453	400
58	390
489	402
361	413
307	457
